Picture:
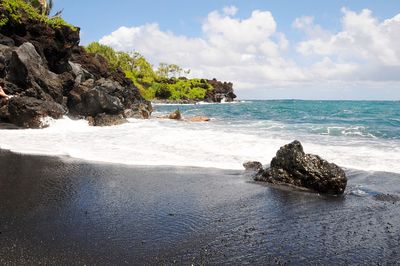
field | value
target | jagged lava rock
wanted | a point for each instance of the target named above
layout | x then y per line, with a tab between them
293	166
28	71
28	112
103	119
222	91
49	74
253	166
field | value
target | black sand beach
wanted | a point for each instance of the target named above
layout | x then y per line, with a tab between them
65	211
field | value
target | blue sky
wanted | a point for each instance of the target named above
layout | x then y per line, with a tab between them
317	22
99	18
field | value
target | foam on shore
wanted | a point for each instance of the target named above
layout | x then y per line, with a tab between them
177	143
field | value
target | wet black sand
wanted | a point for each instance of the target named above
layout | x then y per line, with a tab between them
64	211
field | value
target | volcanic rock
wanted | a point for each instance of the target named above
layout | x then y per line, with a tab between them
253	166
27	70
107	120
176	115
29	112
223	91
294	167
49	74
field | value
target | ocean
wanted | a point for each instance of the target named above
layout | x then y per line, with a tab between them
147	203
363	135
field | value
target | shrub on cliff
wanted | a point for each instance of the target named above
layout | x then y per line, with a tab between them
42	6
13	11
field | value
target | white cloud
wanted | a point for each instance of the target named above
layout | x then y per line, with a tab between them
363	38
241	50
230	10
252	53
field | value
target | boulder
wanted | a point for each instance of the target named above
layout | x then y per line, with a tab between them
98	100
81	74
29	112
141	109
176	115
7	41
27	70
103	119
92	97
5	56
253	166
294	167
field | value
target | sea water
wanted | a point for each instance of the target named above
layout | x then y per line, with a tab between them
362	135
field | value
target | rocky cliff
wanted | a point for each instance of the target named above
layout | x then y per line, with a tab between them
49	75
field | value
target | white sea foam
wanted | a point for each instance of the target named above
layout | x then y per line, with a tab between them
199	103
166	142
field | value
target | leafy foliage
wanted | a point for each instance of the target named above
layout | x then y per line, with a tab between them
170	71
42	6
165	83
14	10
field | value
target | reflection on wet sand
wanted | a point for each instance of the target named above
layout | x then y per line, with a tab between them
65	211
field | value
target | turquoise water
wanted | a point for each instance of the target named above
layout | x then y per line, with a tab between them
356	135
353	119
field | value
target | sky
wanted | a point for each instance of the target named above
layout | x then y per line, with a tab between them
269	49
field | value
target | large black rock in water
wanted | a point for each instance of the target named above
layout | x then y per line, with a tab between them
294	167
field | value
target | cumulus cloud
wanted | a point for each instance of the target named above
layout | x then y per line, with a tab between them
248	51
363	37
252	52
365	49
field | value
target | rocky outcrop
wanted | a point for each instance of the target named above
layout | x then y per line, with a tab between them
175	115
294	167
27	70
49	74
222	91
253	166
29	112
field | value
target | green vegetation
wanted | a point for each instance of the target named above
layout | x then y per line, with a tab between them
164	83
13	11
42	6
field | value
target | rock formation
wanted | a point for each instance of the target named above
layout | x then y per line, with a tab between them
223	91
294	167
175	115
253	166
50	75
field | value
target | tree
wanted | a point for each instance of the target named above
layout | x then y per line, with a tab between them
170	71
162	84
143	68
163	92
107	52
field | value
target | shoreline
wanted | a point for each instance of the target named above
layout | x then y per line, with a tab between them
160	103
72	159
70	211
